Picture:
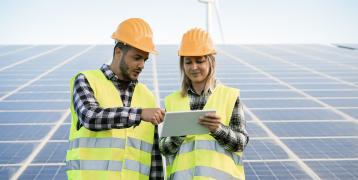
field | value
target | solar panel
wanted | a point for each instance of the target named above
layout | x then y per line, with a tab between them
330	148
264	150
29	117
335	169
300	105
23	132
296	114
15	153
274	170
56	172
53	152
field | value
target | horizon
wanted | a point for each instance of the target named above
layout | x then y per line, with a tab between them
243	22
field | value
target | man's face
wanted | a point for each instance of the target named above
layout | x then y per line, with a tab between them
132	63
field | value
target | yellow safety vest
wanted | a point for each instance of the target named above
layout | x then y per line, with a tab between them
201	156
111	154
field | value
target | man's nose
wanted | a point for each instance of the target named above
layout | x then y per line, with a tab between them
141	64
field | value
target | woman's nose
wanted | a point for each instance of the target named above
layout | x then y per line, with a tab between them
194	66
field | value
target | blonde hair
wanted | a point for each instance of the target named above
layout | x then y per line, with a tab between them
210	79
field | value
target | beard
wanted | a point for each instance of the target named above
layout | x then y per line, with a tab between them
124	69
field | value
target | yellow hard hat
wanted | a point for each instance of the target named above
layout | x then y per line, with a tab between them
196	42
137	33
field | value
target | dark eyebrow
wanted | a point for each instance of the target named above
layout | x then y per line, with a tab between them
140	56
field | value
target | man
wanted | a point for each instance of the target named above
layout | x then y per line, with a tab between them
114	117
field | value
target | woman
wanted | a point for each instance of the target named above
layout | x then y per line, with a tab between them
216	155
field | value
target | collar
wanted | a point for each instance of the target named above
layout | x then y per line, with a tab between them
192	91
113	77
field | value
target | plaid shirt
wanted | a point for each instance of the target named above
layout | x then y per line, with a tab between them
95	118
233	137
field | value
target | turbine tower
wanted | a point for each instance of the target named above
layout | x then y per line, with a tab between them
210	5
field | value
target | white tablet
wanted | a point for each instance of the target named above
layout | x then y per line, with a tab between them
184	123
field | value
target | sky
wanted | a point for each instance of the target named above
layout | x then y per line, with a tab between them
243	21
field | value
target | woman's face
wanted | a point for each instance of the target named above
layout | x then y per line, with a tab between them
196	68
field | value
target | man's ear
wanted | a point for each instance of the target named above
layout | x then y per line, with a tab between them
118	51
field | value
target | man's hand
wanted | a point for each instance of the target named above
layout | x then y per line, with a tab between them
153	115
210	121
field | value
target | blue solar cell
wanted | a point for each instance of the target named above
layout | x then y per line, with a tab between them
47	88
263	150
168	80
13	153
313	129
351	112
171	87
336	93
8	88
221	75
26	53
274	170
296	114
33	105
68	119
56	81
7	171
343	73
40	96
341	102
307	80
268	94
45	172
272	103
322	86
259	86
254	130
146	81
324	148
243	80
29	117
62	133
53	152
335	169
12	82
23	132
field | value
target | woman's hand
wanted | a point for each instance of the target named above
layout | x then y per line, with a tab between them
210	121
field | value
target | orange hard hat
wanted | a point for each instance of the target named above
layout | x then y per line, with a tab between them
196	42
137	33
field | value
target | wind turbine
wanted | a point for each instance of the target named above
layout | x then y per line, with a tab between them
210	4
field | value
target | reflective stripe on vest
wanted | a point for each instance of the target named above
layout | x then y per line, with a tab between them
208	145
138	144
103	165
202	171
97	143
110	143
